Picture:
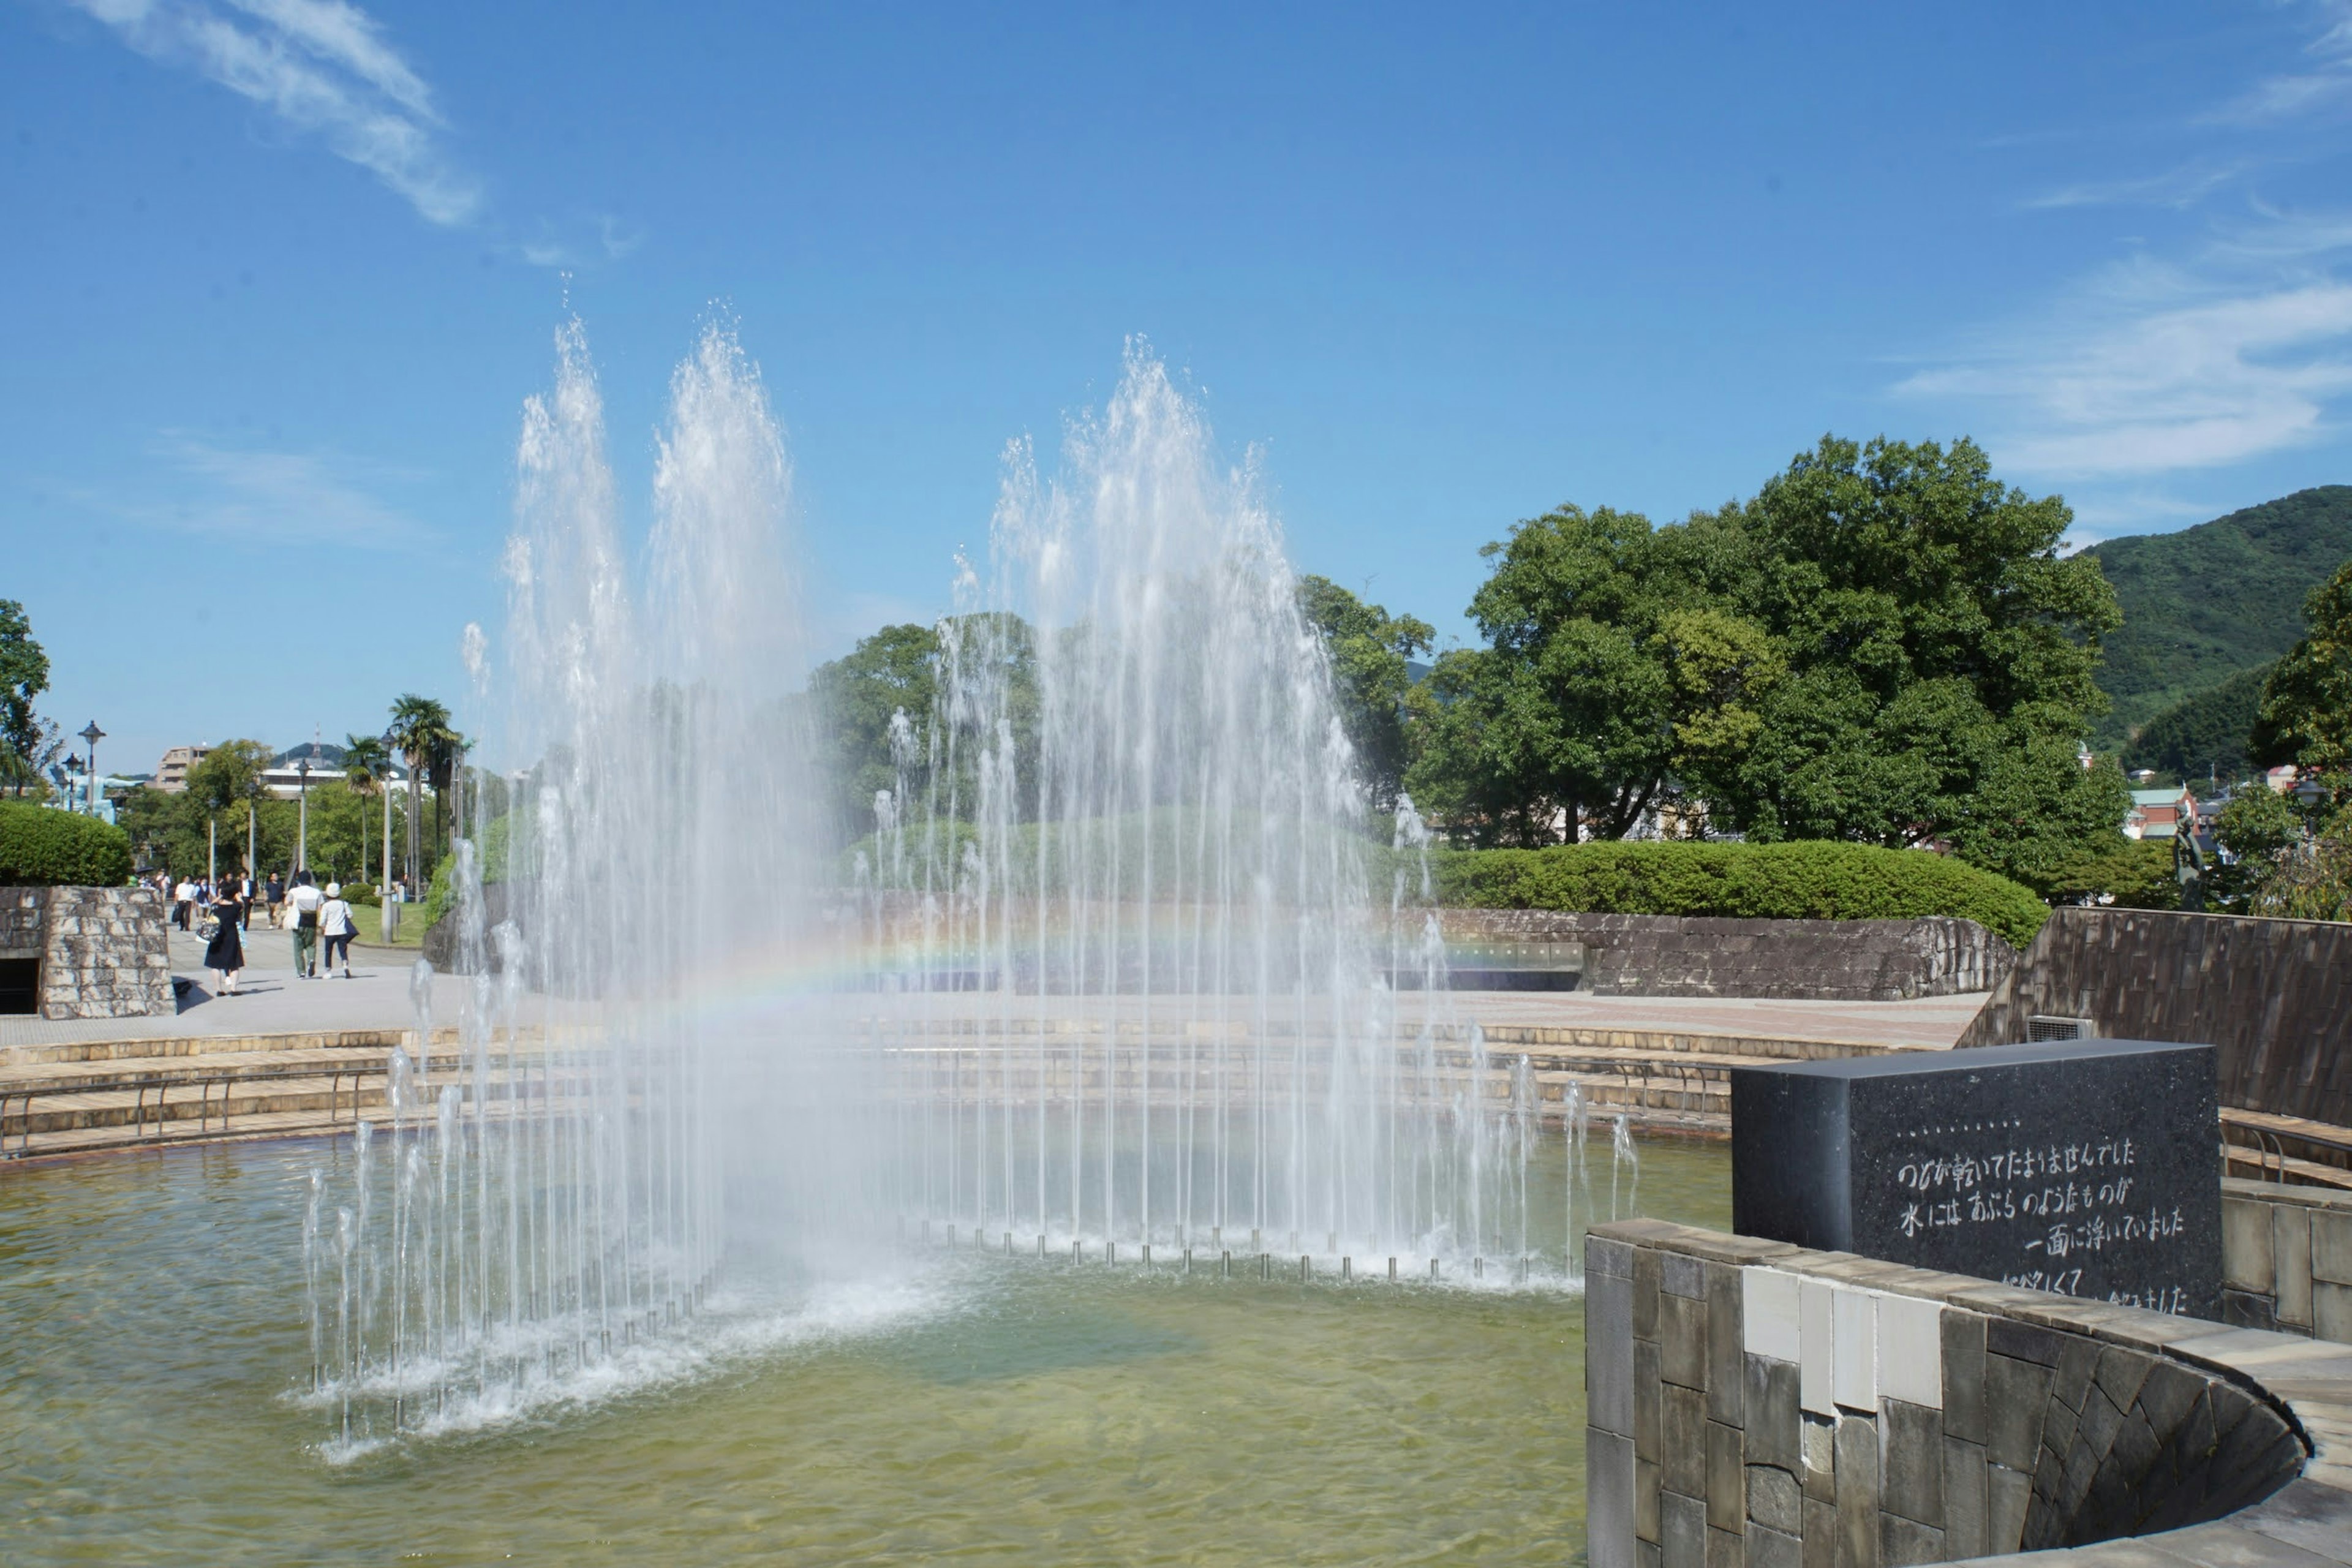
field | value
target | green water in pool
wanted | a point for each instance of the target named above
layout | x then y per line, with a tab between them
153	1345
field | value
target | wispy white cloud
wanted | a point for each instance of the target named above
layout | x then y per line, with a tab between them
321	66
2324	81
2154	370
261	498
2176	188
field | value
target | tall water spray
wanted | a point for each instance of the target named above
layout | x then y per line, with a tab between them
1125	881
556	1184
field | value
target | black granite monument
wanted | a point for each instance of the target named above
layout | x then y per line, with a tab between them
2087	1167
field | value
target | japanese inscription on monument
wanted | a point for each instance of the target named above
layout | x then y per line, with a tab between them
2084	1167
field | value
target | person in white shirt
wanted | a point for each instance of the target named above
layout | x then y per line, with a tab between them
305	901
183	902
335	920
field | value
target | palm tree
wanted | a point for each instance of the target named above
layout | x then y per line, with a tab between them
420	728
365	762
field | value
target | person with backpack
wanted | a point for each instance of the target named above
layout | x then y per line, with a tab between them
335	920
304	900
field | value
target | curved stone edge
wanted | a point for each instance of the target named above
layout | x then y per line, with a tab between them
1676	1358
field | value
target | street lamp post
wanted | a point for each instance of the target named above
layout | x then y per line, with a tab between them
91	735
302	817
389	912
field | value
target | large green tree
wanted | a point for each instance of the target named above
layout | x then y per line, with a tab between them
1940	657
1617	655
25	739
2306	705
1371	675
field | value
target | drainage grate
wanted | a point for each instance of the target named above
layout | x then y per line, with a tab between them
2040	1027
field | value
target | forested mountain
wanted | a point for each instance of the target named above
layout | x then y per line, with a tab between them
2213	601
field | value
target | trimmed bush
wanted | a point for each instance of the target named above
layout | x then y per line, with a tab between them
43	848
1808	880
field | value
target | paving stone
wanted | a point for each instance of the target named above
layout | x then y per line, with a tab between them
2246	1261
2120	1374
1767	1313
1775	1499
2008	1494
1911	1461
2023	1341
1727	1501
1770	1402
1683	1456
2225	1544
1682	1530
2331	1311
1682	1340
1608	1498
1820	1475
1726	1345
1964	1498
1821	1533
1769	1548
2291	1249
1963	1352
1608	1353
2017	1393
1649	1429
1902	1542
1857	1492
2247	1310
2331	1246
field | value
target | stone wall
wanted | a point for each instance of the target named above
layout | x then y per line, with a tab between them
1679	955
1751	1405
20	921
2273	994
2286	1259
105	952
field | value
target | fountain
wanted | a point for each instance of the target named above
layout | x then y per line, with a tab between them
1124	888
1130	935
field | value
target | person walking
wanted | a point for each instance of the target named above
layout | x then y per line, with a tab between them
304	900
335	920
183	902
276	900
225	954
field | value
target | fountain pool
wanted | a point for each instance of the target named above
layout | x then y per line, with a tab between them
150	1405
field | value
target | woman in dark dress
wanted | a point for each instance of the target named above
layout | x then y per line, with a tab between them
226	954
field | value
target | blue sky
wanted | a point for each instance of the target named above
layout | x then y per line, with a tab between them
281	272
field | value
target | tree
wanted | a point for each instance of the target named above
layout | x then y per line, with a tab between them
225	777
1371	675
1940	661
853	699
2306	709
1616	654
421	731
29	743
366	762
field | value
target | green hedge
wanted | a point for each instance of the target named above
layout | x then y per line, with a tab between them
42	847
1768	882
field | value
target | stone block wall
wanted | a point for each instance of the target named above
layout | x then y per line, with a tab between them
20	921
2273	994
1678	955
105	952
2286	1259
1751	1405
